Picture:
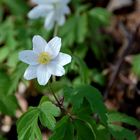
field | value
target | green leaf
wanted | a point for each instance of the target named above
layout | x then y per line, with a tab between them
47	113
94	98
2	138
43	99
90	122
15	77
17	7
75	29
63	130
120	133
8	103
27	126
84	109
101	15
136	64
118	117
69	132
7	34
37	132
98	77
68	31
81	29
13	59
5	83
4	52
102	133
71	129
83	131
82	69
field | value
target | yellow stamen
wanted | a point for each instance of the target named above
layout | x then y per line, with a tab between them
44	58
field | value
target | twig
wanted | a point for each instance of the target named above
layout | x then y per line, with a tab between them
126	50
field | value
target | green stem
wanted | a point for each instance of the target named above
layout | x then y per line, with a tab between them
55	30
57	100
60	105
55	34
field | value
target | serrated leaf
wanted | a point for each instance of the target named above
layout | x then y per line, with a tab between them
102	133
100	14
82	68
13	59
37	132
94	98
118	117
4	52
47	113
98	77
27	126
83	131
90	122
69	132
63	130
5	83
43	99
77	28
81	29
69	27
120	133
8	103
15	77
16	7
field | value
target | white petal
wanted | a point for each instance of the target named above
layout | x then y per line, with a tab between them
39	44
49	21
55	45
44	1
66	10
28	57
31	72
39	11
56	69
61	20
66	1
43	75
63	59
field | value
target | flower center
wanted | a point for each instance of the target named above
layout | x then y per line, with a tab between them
44	58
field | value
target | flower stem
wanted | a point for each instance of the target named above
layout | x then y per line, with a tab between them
60	104
53	78
55	34
55	30
57	100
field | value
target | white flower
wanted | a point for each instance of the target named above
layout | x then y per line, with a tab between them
44	60
52	10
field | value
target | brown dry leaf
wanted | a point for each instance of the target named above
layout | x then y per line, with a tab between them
138	112
133	21
137	4
21	100
111	104
6	124
116	4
